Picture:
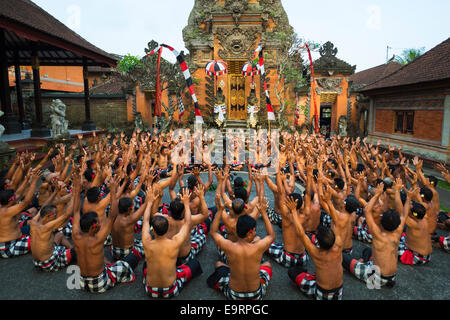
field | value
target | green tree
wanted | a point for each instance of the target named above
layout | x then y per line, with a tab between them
409	55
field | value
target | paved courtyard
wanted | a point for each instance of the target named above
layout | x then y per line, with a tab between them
20	281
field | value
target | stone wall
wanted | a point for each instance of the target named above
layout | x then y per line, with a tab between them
105	112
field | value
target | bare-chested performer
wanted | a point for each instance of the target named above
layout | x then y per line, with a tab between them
12	241
327	282
244	278
386	239
89	234
51	252
162	278
292	251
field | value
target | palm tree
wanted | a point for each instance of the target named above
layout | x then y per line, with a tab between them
409	55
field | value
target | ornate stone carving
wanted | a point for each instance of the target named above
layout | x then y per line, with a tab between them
329	85
237	42
236	8
329	65
342	126
58	119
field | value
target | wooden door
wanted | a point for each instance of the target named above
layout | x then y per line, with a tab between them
237	102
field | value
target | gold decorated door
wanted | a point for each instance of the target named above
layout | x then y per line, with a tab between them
237	102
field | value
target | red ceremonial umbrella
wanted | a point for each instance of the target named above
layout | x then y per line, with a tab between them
216	68
250	69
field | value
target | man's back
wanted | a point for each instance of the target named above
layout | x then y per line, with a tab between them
90	254
328	268
161	257
245	263
9	228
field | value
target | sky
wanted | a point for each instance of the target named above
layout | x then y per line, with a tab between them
360	29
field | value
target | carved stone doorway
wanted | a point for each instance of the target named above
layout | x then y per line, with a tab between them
325	118
237	97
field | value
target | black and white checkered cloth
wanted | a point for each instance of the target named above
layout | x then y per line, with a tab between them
366	272
118	272
410	257
184	275
286	259
16	247
307	284
274	217
121	253
60	259
222	285
444	242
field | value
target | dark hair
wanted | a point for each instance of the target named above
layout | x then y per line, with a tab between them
240	193
93	194
5	196
333	162
339	183
351	204
315	173
297	197
238	206
192	182
89	175
176	209
426	194
130	168
87	220
89	163
418	210
325	237
160	225
244	224
390	220
433	180
3	185
238	182
331	173
360	168
403	196
125	204
45	211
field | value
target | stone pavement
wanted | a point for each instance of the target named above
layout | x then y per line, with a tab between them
20	281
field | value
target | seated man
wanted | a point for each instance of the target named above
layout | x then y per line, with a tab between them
327	283
291	251
386	238
244	278
50	252
162	278
415	246
15	241
89	234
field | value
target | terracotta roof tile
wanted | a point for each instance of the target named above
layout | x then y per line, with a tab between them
434	65
369	76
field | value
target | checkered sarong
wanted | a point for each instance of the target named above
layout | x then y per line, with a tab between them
366	273
184	275
362	233
67	229
16	247
274	217
118	272
121	253
60	258
222	285
220	252
138	225
286	259
445	243
198	240
410	257
307	284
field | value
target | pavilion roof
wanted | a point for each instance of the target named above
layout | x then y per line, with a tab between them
26	24
432	66
369	76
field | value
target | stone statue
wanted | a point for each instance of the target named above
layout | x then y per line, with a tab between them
220	107
252	108
342	126
58	120
138	121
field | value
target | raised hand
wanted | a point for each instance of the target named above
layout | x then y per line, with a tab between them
291	204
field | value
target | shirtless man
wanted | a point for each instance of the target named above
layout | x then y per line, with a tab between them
12	241
198	229
327	283
162	278
89	234
415	246
386	238
123	233
292	251
244	278
47	250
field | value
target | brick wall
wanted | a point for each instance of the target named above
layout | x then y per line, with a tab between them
428	124
384	121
